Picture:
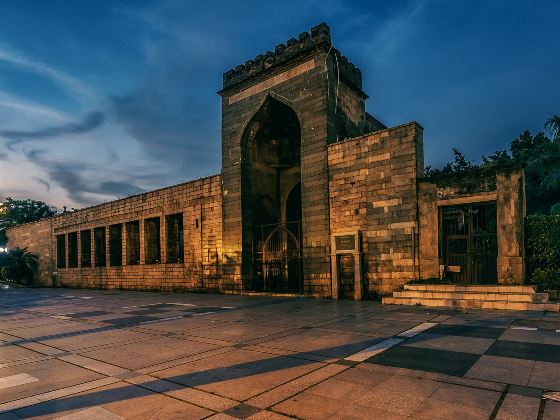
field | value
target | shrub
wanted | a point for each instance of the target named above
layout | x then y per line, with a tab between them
542	235
19	266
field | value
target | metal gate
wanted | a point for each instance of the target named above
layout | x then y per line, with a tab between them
277	259
469	243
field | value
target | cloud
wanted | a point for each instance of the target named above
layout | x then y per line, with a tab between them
43	182
18	104
71	84
3	156
80	188
90	122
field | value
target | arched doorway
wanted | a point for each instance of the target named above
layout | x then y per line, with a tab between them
271	199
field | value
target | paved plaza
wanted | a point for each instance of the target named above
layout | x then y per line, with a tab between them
90	354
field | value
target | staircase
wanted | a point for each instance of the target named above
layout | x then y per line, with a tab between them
520	298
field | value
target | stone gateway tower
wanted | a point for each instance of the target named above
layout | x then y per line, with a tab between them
280	111
316	197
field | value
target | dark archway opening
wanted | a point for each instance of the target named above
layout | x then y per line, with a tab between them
271	191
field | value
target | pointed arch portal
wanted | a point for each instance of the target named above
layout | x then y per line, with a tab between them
271	191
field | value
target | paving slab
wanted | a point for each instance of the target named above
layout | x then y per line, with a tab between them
517	406
119	354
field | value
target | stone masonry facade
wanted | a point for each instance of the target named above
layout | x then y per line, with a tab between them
293	119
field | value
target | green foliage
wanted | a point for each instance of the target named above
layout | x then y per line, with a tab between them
19	266
552	124
542	235
459	165
539	154
15	212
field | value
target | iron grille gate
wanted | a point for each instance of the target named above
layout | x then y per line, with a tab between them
469	242
277	258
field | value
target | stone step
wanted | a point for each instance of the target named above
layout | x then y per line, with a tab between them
471	288
473	304
503	296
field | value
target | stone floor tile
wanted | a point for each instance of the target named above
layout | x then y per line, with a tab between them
239	374
291	388
551	410
268	415
358	412
473	397
451	343
309	406
92	413
51	374
437	409
524	336
502	369
362	377
431	360
410	385
202	398
95	339
242	411
154	384
146	353
519	407
527	391
341	390
11	352
545	375
334	344
467	331
221	416
397	402
121	399
95	365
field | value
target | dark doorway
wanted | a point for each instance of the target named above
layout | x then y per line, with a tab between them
271	183
469	244
346	276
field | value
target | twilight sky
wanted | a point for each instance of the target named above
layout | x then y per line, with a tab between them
103	99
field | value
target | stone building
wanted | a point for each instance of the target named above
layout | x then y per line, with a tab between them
315	196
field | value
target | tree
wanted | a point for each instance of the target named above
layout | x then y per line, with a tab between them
15	212
19	265
459	165
552	124
539	154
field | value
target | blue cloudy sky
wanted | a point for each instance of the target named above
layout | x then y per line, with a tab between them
103	99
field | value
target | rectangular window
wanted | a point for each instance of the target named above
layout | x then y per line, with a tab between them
85	242
73	249
99	246
175	242
133	243
61	251
152	240
115	245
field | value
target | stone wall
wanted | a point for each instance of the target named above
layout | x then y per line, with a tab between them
372	185
200	204
36	237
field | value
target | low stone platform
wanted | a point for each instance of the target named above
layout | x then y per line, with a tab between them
520	298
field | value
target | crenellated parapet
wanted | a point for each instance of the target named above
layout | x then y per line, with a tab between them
319	39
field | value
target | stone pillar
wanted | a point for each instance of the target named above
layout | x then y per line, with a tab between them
358	286
334	277
124	239
511	215
163	239
142	242
428	230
